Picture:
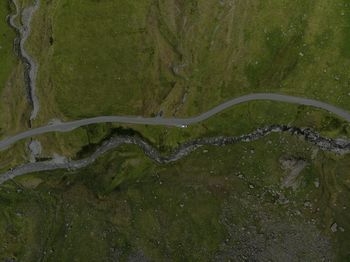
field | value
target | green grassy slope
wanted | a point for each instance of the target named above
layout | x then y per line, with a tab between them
187	56
216	204
13	100
137	57
7	36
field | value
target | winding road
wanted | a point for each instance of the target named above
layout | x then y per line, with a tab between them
179	122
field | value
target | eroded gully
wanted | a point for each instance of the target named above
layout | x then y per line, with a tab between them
337	146
23	31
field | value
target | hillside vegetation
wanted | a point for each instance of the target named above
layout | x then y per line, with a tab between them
184	57
235	202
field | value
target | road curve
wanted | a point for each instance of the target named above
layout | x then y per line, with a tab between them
179	122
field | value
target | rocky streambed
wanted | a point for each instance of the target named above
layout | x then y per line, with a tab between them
23	30
338	146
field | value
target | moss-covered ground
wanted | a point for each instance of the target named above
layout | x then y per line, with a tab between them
216	204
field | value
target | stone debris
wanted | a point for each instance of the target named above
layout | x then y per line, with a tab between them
334	227
317	183
333	145
293	167
35	149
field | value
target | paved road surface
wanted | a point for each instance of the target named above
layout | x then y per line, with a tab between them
179	122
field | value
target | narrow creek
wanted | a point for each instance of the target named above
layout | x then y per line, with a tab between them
338	146
23	30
